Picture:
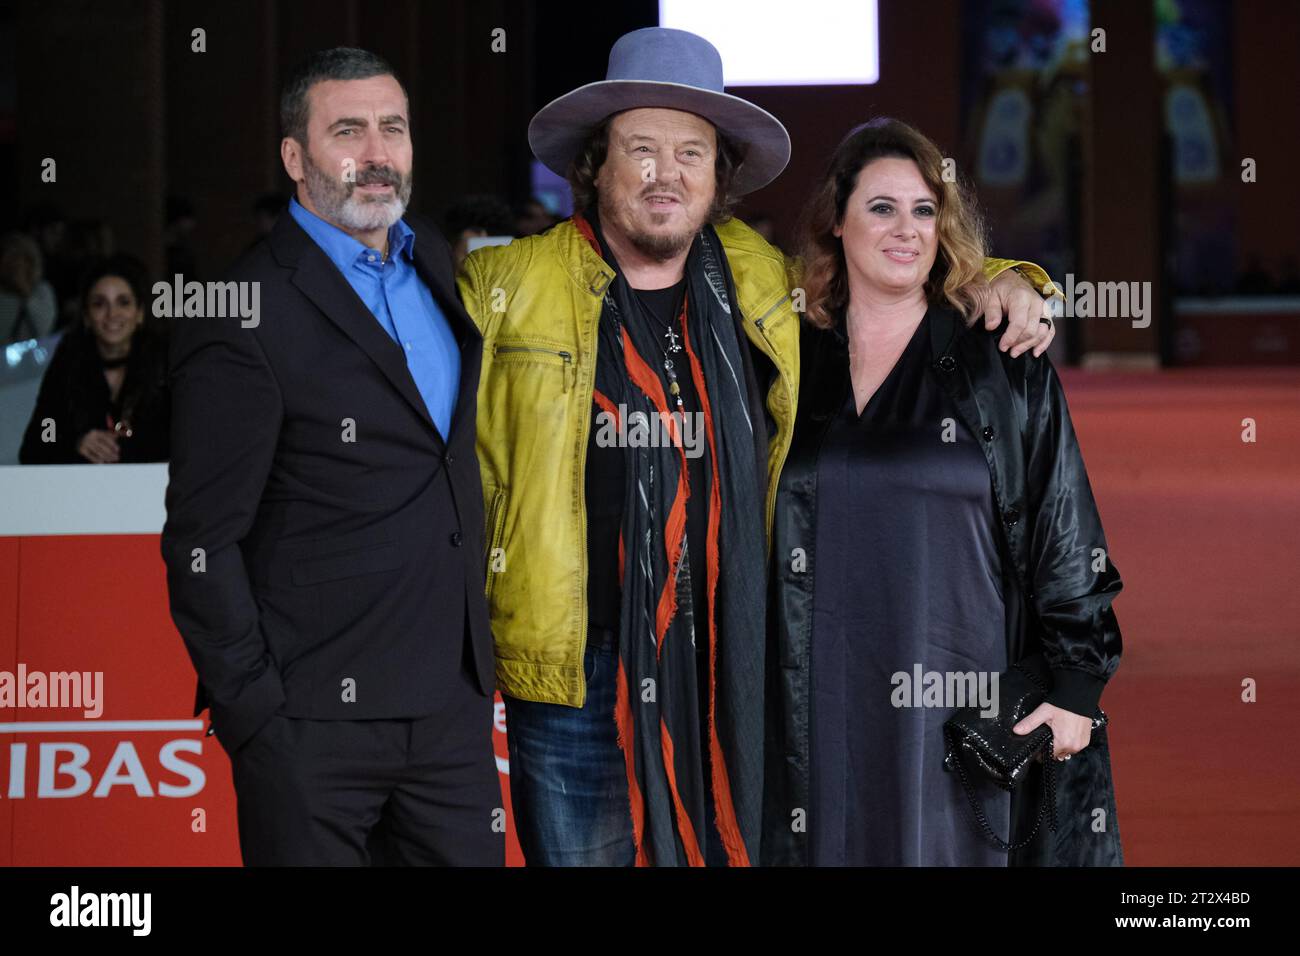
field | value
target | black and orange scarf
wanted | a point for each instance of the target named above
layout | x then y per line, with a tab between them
660	728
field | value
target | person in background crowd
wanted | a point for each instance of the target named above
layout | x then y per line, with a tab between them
104	397
178	239
28	307
764	225
476	216
1255	279
533	217
266	210
46	223
1289	277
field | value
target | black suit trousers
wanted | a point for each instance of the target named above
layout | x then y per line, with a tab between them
415	791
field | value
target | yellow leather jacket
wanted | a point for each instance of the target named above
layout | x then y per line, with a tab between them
537	302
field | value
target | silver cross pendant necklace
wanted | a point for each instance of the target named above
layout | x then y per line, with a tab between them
673	347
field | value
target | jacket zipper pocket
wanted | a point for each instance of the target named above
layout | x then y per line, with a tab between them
763	318
566	357
496	520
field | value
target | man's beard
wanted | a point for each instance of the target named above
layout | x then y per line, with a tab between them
337	202
655	246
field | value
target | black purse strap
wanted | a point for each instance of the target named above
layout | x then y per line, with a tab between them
1047	791
1046	800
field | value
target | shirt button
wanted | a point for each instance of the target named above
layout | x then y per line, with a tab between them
407	346
455	539
1011	516
370	258
987	433
947	363
449	459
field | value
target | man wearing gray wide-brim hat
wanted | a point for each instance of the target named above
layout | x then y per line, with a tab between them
669	69
637	400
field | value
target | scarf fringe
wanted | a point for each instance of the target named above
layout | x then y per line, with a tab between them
723	809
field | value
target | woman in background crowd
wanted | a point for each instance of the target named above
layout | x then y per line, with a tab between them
104	396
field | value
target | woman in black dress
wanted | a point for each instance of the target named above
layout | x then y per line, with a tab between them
899	539
104	396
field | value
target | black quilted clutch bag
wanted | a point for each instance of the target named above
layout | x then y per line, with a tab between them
988	745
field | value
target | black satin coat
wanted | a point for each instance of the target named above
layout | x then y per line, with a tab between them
1056	586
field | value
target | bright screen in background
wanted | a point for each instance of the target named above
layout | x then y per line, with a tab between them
784	42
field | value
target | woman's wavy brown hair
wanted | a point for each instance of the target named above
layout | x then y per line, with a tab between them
958	271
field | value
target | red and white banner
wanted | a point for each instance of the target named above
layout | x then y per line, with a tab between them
101	762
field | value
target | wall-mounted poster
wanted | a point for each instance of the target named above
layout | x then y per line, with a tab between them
1024	88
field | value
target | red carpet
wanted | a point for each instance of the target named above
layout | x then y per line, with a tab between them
1205	531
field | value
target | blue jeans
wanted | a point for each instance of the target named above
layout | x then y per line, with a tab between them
568	778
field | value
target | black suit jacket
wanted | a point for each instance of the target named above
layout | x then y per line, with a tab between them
310	574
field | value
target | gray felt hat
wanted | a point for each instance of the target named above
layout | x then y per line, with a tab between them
671	69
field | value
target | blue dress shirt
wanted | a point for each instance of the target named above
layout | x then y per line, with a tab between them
403	305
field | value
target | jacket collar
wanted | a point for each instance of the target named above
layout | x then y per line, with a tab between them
316	276
759	290
345	250
588	270
825	362
946	330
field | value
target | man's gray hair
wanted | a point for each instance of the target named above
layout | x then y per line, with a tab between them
338	63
